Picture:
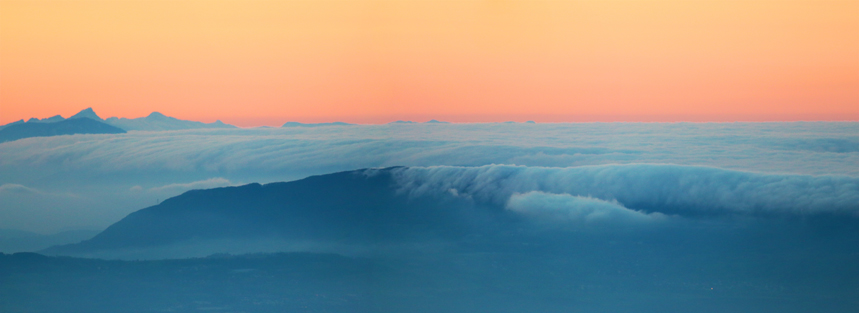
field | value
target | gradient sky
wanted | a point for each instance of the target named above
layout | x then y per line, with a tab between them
264	63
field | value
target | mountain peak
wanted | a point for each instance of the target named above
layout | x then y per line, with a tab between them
88	113
157	121
156	115
71	126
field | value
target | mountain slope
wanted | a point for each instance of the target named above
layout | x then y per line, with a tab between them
347	207
87	113
21	121
408	205
21	241
66	127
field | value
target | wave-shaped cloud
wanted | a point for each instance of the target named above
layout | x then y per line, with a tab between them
11	189
670	189
200	184
565	209
106	169
18	188
295	152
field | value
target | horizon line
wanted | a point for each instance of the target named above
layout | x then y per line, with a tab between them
251	122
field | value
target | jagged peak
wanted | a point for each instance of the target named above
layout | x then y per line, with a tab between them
88	113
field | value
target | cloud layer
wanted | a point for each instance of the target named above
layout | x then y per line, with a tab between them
670	189
202	184
103	169
565	209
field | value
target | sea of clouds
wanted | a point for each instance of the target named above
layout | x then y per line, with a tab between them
668	189
635	172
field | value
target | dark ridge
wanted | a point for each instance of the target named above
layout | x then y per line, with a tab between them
348	207
88	113
21	121
67	127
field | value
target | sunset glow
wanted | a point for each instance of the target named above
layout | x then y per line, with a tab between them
253	63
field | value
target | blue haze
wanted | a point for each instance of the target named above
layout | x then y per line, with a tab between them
90	181
434	217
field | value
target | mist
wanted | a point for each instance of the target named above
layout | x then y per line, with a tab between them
621	217
102	178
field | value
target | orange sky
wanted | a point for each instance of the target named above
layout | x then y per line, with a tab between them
267	62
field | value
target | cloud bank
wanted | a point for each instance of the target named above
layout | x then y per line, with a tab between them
16	188
102	170
565	209
802	148
201	184
669	189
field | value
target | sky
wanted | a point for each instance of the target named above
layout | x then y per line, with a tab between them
252	63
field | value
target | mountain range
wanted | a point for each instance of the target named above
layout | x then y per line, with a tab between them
155	121
88	122
69	126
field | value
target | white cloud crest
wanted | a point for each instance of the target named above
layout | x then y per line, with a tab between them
201	184
683	190
564	209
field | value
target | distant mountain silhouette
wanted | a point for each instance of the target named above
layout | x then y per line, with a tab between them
157	121
297	124
66	127
436	122
154	122
347	207
55	118
88	113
